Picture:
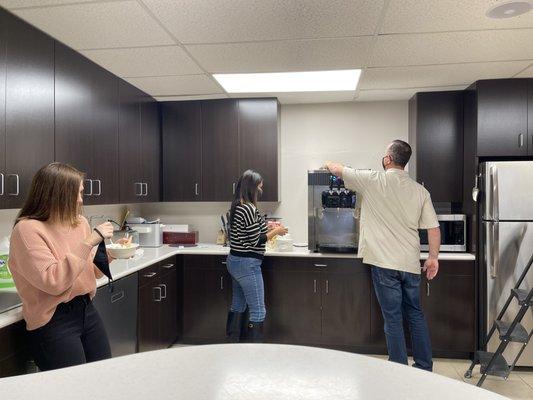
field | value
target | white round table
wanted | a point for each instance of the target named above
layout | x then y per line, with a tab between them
240	371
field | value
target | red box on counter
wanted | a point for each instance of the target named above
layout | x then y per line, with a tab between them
180	237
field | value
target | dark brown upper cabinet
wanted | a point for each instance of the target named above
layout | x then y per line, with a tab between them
182	150
207	145
29	107
3	32
86	123
150	149
502	117
139	145
436	134
129	138
220	149
259	140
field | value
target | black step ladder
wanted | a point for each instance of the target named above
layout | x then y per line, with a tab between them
495	364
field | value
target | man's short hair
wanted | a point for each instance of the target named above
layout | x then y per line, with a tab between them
400	152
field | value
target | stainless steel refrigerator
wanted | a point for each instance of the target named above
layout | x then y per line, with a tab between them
507	218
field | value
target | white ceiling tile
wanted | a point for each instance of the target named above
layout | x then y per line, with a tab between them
216	21
437	75
527	73
188	98
176	85
145	61
446	15
400	94
11	4
453	47
298	55
98	25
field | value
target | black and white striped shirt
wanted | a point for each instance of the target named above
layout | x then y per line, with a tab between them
247	232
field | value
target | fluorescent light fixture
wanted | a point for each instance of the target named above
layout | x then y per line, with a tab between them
311	81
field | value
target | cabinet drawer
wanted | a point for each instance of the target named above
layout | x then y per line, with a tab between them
150	275
208	262
167	265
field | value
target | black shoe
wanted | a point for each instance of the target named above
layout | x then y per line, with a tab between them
244	326
255	332
234	327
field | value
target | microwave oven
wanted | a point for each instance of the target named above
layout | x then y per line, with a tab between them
453	233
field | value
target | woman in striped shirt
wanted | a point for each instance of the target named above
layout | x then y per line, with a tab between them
248	235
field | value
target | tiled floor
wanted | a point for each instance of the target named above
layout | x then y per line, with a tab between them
519	386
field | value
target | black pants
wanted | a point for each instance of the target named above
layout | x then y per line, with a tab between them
75	335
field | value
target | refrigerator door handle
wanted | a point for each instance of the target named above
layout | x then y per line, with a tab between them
494	192
495	248
489	249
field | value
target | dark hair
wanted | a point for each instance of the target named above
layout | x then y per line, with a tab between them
54	195
246	191
400	152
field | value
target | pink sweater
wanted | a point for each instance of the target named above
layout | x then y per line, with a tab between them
50	265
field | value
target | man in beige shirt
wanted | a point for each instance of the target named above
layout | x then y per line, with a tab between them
393	209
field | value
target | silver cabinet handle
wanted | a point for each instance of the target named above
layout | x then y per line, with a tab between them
196	189
427	289
150	274
89	187
138	184
164	295
521	140
221	283
99	187
224	262
157	288
233	190
117	296
321	265
314	285
2	193
327	286
18	185
146	189
167	266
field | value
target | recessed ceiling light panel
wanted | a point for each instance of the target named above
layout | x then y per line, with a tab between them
509	9
312	81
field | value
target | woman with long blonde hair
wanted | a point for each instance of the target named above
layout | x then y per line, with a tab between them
51	259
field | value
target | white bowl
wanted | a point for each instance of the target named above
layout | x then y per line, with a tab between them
120	252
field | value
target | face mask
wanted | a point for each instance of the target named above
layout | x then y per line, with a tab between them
383	163
259	193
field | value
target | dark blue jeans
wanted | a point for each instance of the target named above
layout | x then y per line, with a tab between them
248	288
398	294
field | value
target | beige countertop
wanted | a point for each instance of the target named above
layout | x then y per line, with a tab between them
149	256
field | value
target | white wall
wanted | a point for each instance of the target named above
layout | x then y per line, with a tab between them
353	133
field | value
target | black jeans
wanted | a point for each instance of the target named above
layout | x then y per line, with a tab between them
75	335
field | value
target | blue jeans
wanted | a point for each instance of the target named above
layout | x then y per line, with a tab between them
248	288
398	294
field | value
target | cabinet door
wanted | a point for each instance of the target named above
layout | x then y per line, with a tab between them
105	114
293	303
129	140
29	107
220	150
346	305
150	149
502	117
530	116
258	142
205	304
448	302
439	144
169	312
149	331
3	32
182	151
73	112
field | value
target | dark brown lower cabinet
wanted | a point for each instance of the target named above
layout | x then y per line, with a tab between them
206	299
448	302
13	351
159	294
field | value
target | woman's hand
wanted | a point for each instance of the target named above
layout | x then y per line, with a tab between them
105	229
281	230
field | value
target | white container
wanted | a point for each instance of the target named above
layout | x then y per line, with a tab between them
284	243
119	251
